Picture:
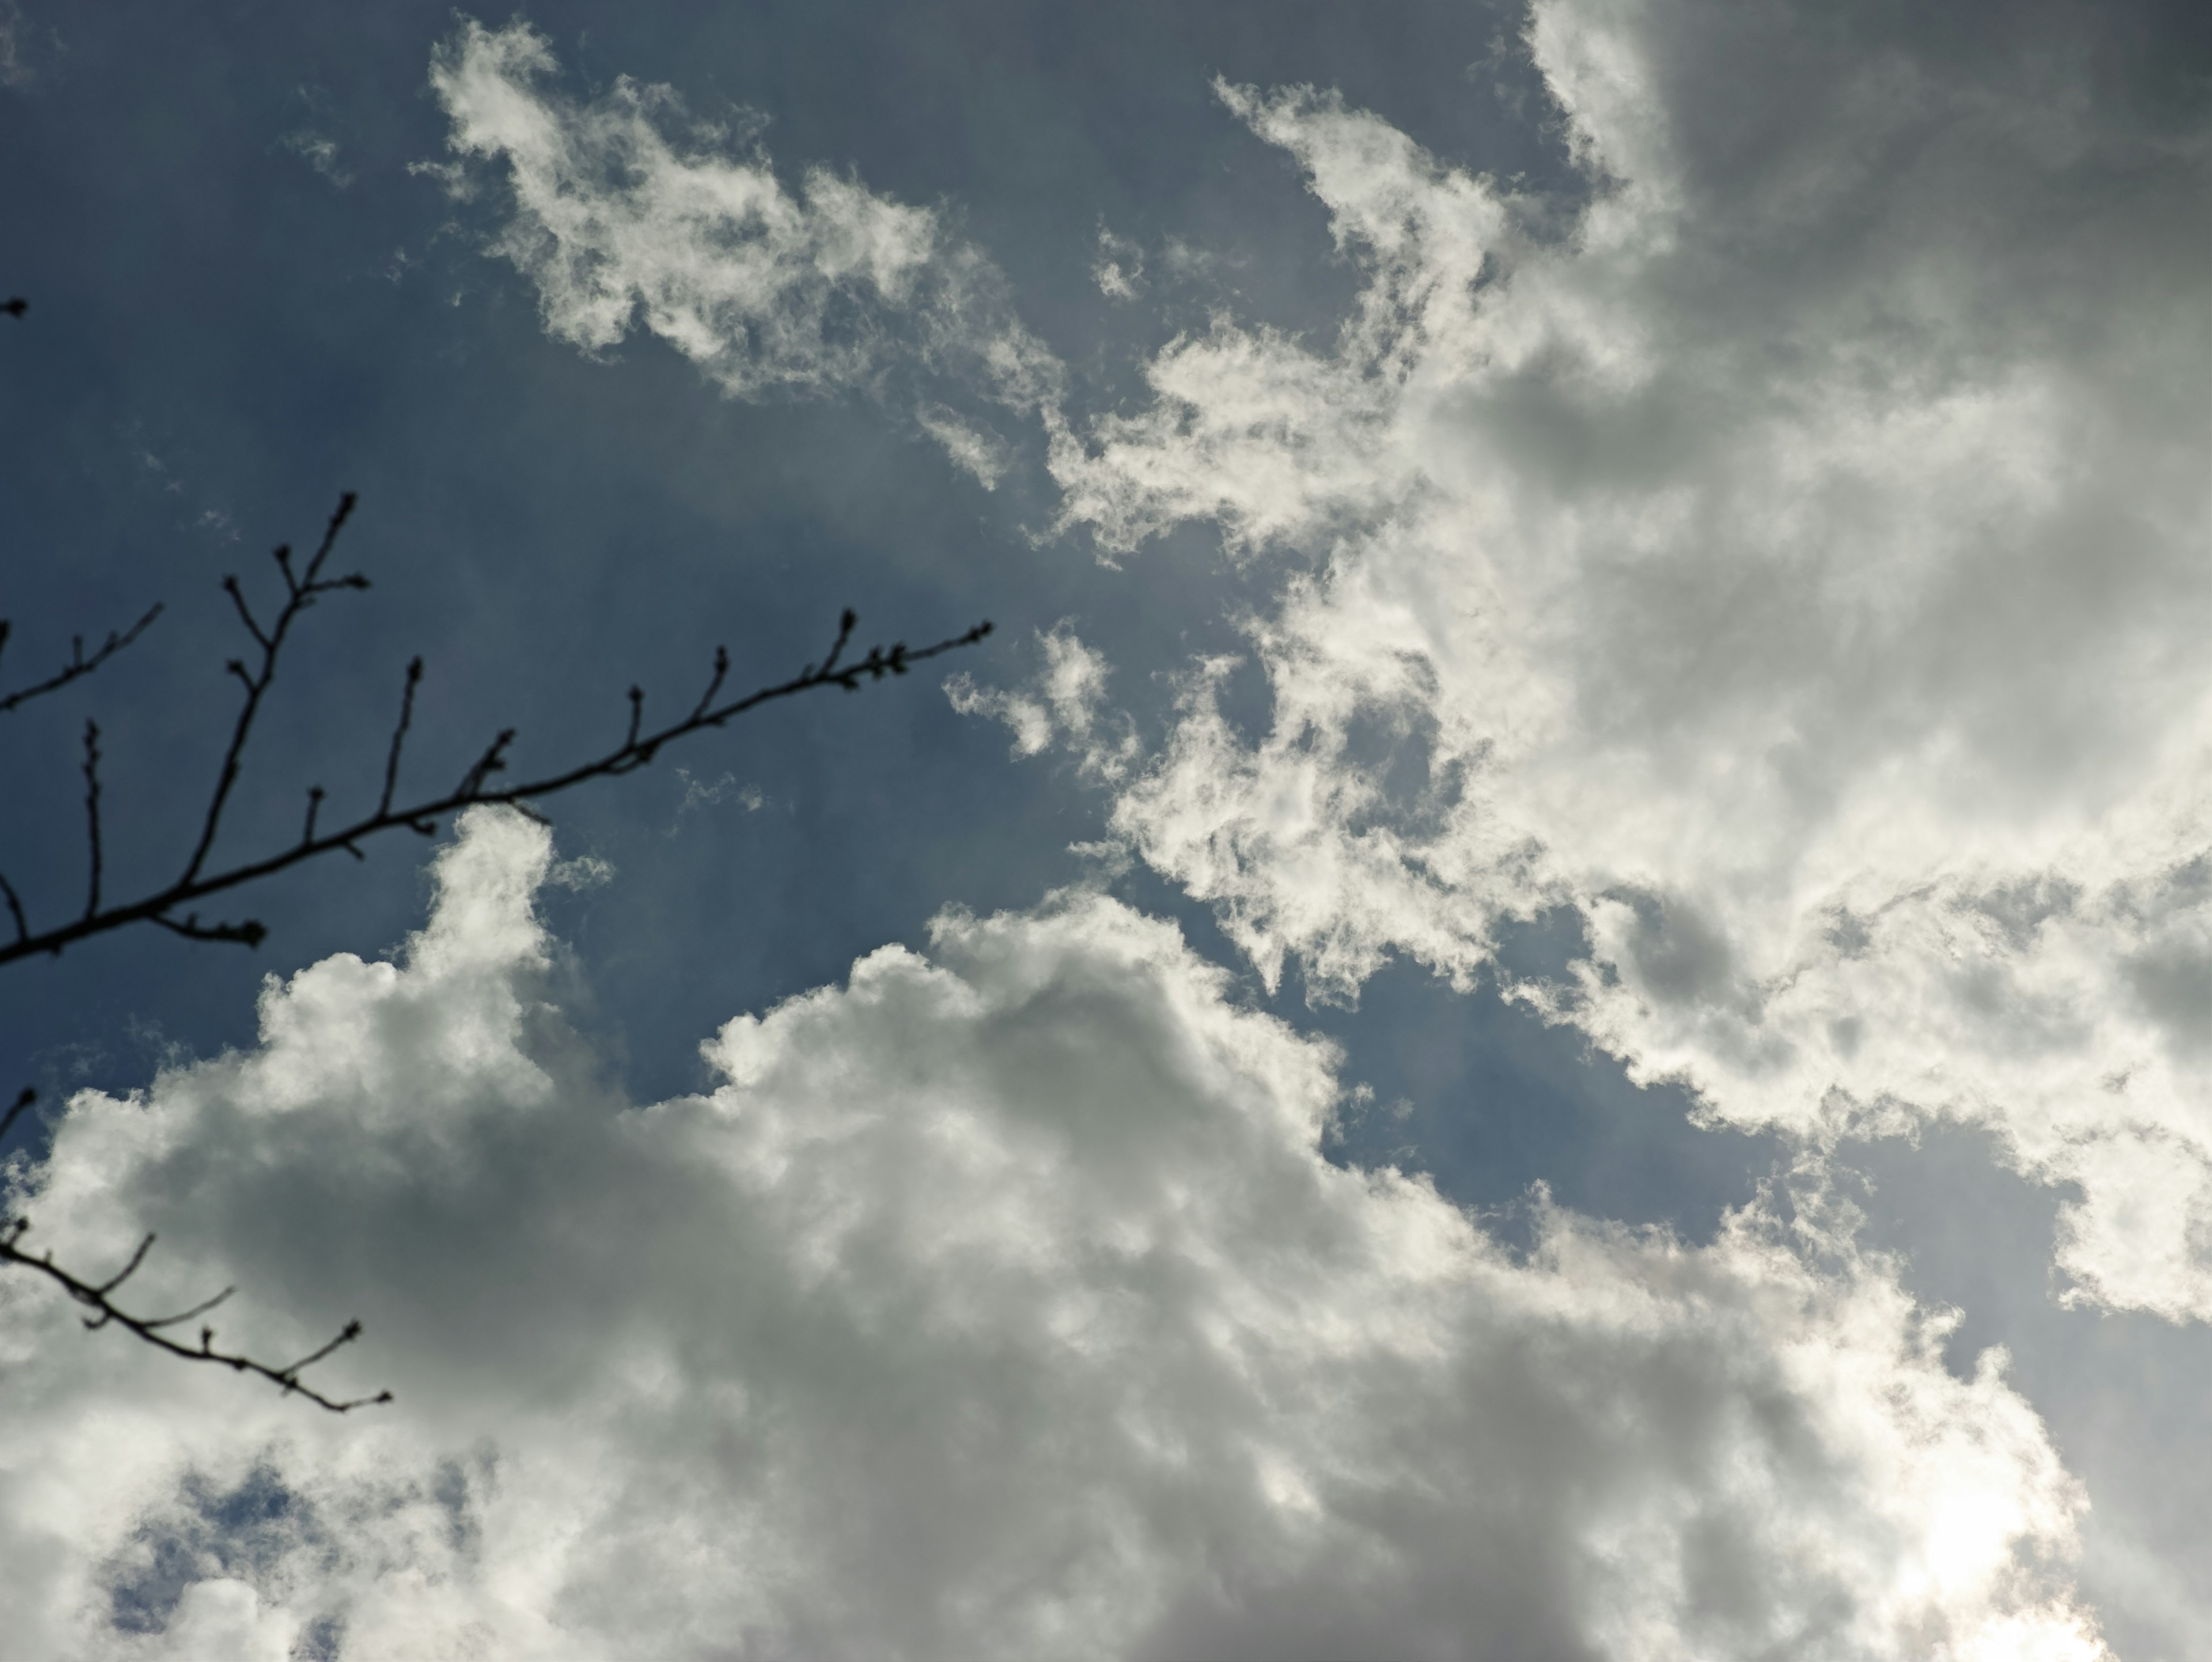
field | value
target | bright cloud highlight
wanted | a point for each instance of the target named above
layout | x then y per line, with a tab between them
1792	561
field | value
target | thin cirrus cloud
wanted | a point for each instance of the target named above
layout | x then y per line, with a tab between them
1792	561
625	211
997	1303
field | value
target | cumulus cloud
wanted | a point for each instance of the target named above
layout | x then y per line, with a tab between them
625	210
1792	558
999	1302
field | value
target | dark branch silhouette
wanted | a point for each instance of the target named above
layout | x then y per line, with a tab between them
95	1297
78	664
25	1100
303	588
92	811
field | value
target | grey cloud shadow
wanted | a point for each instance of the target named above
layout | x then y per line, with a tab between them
1483	1096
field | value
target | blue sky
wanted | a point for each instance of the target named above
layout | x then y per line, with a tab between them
1543	995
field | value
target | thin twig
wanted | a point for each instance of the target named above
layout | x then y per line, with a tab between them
15	908
494	760
399	736
95	1297
24	1099
301	593
248	933
78	664
721	670
92	811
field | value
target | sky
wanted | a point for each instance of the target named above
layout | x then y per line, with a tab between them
1548	995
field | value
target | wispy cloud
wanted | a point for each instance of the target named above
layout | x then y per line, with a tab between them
626	211
1065	702
320	152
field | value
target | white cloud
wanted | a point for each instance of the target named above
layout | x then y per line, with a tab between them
624	210
320	152
999	1303
1065	702
1794	563
1119	268
586	871
976	450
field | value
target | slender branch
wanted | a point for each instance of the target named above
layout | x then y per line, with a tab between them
245	612
301	593
637	749
95	1297
92	811
126	1272
248	933
399	736
15	908
78	665
721	671
24	1099
494	760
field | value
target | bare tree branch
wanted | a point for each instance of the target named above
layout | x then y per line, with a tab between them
92	811
24	1099
638	748
301	593
398	737
95	1297
15	908
78	664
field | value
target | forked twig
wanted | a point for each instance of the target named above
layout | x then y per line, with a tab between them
301	592
78	665
95	1296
